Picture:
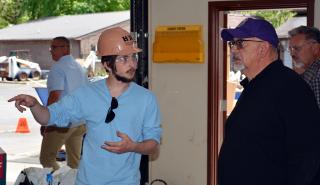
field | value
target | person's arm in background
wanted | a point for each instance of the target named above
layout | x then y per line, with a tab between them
39	112
53	97
55	85
315	86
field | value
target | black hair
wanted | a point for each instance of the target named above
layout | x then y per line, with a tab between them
110	61
63	39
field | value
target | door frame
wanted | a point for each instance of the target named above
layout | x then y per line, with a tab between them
139	26
217	67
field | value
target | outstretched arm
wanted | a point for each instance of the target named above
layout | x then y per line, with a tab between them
39	112
146	147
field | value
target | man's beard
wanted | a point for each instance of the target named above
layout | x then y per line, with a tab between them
121	78
238	67
298	64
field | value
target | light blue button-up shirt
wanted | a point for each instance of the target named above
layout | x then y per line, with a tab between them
137	116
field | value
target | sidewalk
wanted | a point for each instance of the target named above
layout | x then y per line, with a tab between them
22	149
14	169
22	152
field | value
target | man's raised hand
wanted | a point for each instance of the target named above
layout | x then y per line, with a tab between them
23	100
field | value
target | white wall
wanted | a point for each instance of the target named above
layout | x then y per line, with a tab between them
182	93
317	14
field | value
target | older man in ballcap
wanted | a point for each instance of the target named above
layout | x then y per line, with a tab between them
272	135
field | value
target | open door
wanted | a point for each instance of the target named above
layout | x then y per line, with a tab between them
218	68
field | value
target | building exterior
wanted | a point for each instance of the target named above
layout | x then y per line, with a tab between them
32	40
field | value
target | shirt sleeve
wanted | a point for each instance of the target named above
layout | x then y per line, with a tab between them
66	111
56	79
315	86
152	119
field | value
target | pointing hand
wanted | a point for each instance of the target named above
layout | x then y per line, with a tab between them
23	100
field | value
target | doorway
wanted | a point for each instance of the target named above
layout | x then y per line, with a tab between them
217	66
139	26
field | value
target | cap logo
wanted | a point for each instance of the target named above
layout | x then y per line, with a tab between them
127	39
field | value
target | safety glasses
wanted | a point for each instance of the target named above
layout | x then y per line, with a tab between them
125	58
110	115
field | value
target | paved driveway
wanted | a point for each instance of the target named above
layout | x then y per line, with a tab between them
22	149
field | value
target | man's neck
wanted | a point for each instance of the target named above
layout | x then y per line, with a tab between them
61	58
115	86
262	64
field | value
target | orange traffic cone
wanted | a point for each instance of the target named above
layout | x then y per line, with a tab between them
22	126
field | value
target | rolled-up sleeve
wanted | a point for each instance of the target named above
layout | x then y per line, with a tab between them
65	111
152	121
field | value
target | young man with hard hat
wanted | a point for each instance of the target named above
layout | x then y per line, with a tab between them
122	118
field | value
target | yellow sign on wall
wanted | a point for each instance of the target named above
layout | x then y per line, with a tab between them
178	44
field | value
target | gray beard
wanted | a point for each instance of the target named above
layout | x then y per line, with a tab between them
298	64
238	67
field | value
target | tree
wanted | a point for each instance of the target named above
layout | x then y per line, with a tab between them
275	17
18	11
90	6
36	9
10	12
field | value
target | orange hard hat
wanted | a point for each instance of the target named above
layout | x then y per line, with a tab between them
116	41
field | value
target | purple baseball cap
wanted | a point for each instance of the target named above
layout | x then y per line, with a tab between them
251	27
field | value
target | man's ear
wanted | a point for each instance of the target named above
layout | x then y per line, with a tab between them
316	49
263	49
106	66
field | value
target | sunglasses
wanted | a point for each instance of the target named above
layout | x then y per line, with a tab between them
110	115
239	43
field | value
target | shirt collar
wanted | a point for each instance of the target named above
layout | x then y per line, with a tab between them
311	71
246	81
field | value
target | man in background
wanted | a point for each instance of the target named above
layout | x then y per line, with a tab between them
304	46
65	76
